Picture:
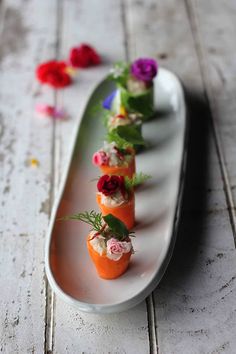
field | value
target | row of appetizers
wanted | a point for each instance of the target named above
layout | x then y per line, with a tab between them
125	109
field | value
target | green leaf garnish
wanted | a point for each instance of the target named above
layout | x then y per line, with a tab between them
119	73
136	180
121	143
117	227
142	102
131	134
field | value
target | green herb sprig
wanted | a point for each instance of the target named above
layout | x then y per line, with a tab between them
120	73
107	225
136	180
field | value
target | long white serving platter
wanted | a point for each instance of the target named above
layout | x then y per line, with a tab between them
69	269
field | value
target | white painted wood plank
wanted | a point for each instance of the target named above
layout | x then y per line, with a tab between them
215	35
28	37
149	35
99	24
195	305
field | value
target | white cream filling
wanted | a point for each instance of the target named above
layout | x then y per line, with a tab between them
113	200
111	152
136	86
98	243
115	122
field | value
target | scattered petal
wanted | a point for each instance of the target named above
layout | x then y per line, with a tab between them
34	162
51	111
84	56
44	109
54	74
59	113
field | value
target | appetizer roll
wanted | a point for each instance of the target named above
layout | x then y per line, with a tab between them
116	196
115	120
125	128
135	86
109	243
113	160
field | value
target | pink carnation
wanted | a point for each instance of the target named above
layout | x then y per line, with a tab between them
115	248
100	158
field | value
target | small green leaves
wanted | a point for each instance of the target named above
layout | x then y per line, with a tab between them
121	143
119	73
117	226
130	133
138	178
142	103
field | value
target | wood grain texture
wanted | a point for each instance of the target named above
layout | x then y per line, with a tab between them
28	36
80	332
213	26
195	310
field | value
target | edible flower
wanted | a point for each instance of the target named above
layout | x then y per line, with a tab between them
107	103
116	248
84	56
123	111
50	111
100	158
109	185
144	69
54	74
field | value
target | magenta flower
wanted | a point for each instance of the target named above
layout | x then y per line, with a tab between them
144	69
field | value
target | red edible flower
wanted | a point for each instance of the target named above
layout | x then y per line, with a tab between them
84	56
53	73
109	185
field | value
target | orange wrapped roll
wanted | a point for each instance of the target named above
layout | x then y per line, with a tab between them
108	243
106	267
114	161
128	171
125	212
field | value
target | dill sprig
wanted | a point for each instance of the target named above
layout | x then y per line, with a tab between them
91	218
136	180
107	225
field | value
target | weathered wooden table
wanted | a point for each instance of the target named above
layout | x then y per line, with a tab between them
193	310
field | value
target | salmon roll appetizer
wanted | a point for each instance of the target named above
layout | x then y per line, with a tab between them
115	196
113	121
108	243
135	89
126	128
113	160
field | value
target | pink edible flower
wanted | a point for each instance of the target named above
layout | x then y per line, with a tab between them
115	248
100	158
50	111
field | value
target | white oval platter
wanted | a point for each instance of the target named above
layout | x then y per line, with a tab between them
69	269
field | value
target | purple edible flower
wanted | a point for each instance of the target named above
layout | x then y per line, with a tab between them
108	100
144	69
